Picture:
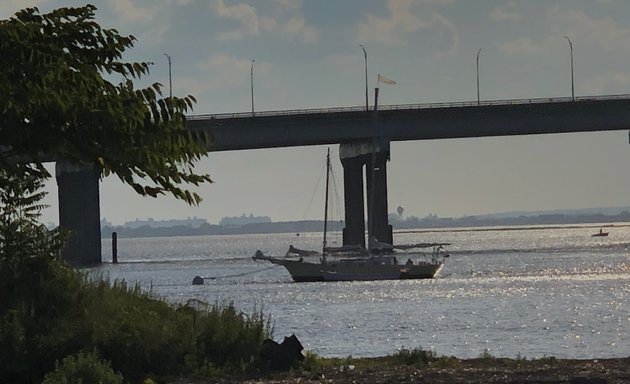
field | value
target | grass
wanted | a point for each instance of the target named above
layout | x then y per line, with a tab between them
139	336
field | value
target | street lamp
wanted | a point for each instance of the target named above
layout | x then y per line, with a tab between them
251	76
478	52
367	106
170	78
572	78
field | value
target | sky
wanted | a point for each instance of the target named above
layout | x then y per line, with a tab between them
307	55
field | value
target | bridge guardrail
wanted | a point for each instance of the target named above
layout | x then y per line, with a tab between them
395	107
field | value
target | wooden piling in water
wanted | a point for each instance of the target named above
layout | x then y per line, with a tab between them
114	247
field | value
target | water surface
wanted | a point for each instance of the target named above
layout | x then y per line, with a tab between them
529	292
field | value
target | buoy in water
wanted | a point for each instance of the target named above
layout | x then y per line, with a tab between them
197	280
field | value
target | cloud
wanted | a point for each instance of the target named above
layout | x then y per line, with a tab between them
522	45
401	23
505	13
345	62
439	2
244	14
289	4
583	29
288	19
152	22
606	83
223	69
219	70
297	26
129	11
9	7
603	32
440	20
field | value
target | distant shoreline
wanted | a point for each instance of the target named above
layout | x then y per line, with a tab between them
467	224
524	227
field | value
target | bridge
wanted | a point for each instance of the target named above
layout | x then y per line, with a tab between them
360	133
238	131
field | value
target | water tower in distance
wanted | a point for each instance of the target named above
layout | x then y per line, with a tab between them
400	211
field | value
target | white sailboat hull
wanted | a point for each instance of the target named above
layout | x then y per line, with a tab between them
356	269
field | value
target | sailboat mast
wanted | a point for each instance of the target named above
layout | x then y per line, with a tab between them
326	204
372	170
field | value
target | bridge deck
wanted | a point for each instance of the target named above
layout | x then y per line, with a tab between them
269	129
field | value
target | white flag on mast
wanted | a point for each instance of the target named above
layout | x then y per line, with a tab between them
385	80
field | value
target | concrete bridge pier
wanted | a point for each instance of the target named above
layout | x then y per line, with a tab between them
79	212
353	157
377	185
354	231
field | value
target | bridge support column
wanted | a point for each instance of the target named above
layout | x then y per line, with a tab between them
79	212
353	157
354	231
377	196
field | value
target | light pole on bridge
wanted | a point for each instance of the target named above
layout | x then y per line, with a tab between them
170	78
572	78
367	106
478	52
251	77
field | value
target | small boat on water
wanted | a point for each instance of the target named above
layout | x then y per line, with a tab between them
601	233
380	261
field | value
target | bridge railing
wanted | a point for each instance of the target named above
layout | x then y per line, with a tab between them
456	104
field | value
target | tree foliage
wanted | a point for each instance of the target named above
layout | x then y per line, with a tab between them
57	102
23	239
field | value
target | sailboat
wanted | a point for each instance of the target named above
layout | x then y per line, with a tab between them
380	261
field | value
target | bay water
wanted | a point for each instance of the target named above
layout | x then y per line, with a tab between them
522	291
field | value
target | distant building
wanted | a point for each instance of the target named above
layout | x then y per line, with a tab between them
150	222
237	221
